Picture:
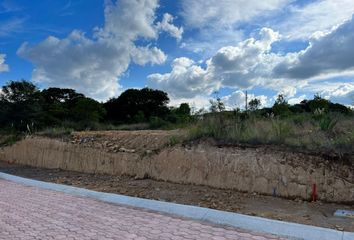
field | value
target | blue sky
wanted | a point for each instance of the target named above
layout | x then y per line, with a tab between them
190	49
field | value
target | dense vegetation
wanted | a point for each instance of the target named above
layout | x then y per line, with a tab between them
315	124
25	108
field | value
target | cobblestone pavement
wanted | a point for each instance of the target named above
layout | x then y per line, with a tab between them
29	213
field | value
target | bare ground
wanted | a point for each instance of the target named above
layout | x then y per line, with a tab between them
312	213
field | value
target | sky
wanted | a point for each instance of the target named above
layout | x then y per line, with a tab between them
195	50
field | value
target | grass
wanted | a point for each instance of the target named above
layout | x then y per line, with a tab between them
55	132
329	133
8	140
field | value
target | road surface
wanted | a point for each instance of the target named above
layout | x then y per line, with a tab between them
29	213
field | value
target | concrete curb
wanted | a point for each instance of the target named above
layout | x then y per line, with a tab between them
256	224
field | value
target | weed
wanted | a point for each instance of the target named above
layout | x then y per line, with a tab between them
173	140
327	124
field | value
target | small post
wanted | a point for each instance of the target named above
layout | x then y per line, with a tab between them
314	192
246	101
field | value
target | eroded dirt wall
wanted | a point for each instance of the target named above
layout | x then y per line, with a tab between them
262	170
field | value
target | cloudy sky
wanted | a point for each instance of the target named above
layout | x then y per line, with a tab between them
192	49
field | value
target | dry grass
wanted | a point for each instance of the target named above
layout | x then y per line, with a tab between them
328	133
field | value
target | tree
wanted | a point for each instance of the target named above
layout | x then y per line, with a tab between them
18	91
182	114
20	105
217	105
184	109
58	104
318	103
133	102
281	106
254	104
88	111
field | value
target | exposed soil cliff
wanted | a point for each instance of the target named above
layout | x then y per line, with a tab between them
159	155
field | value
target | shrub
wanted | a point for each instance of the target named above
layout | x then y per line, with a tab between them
326	123
281	130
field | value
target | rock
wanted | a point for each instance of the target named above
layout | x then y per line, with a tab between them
339	228
122	149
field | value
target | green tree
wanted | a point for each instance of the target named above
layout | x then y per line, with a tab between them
281	106
254	104
182	114
88	111
58	104
184	109
318	103
20	105
148	101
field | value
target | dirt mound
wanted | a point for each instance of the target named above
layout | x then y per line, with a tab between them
128	141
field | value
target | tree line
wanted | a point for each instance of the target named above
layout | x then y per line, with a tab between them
24	107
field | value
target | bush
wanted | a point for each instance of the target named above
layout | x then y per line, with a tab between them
327	124
156	123
281	130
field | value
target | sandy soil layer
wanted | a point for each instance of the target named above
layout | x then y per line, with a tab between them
312	213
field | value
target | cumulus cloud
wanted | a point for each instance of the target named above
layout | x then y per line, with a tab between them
238	99
93	65
252	63
296	100
167	25
3	67
330	54
197	102
336	91
218	23
240	66
186	79
245	64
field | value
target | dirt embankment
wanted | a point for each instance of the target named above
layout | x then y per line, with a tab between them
159	155
312	213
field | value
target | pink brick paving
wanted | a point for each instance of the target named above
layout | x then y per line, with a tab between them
28	213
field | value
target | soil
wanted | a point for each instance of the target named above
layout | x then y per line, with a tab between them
311	213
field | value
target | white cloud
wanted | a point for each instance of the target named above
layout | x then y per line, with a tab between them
240	66
245	64
144	55
252	63
332	54
3	67
296	100
320	15
93	65
167	25
197	102
185	80
218	23
238	99
11	26
335	91
223	13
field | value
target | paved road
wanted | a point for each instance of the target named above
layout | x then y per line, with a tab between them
29	213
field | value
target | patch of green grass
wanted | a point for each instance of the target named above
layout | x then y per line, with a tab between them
173	140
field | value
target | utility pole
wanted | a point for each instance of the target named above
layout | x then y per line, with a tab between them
246	101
